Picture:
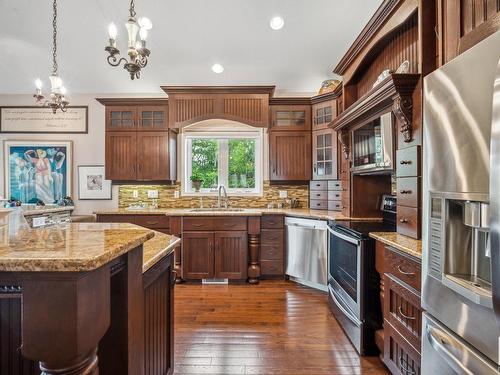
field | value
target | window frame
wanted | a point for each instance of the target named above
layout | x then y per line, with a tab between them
223	162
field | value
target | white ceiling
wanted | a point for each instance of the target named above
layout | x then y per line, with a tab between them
187	38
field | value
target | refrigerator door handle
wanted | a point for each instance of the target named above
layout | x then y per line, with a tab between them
437	339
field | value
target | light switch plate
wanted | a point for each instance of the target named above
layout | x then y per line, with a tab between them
38	221
283	194
153	194
177	194
135	193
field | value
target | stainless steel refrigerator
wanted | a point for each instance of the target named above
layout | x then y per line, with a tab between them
461	225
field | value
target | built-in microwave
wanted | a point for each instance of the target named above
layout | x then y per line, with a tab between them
372	146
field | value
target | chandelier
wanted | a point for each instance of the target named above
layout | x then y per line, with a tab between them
56	99
137	52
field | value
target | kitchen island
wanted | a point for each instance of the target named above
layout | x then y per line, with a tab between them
75	299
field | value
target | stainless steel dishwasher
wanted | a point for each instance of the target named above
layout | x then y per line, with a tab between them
306	251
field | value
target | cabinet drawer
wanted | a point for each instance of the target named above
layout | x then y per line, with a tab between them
334	195
409	191
319	204
335	185
116	219
409	221
271	267
402	310
271	252
214	223
334	205
153	221
318	185
402	267
318	195
272	236
399	356
272	221
408	162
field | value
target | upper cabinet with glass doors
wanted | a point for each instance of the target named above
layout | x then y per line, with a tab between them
323	113
136	118
290	117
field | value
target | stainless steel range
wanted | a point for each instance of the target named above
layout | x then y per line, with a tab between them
461	223
353	283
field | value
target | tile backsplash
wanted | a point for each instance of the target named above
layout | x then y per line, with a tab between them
166	198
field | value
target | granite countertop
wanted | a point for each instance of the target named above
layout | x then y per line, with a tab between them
158	247
46	210
75	247
403	243
294	212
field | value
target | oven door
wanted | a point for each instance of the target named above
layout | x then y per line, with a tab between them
344	269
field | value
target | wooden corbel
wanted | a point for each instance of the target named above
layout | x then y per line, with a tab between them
402	109
343	137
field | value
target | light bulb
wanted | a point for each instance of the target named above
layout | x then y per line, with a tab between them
143	33
217	68
63	90
145	22
112	31
38	83
138	45
277	23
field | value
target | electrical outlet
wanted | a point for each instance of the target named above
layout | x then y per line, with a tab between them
38	221
135	193
283	194
153	194
177	194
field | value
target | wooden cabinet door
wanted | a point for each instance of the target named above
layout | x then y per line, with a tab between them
231	255
290	156
290	117
121	156
152	156
152	118
198	255
323	114
121	118
324	155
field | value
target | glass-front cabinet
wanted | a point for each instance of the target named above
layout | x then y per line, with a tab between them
324	113
324	155
291	117
136	118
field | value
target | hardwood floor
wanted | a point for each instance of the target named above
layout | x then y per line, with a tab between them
275	327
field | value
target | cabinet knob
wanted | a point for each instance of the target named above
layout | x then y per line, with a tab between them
404	162
403	220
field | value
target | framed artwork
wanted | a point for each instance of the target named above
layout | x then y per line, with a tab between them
91	183
34	119
38	170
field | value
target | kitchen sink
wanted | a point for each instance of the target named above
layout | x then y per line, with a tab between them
217	209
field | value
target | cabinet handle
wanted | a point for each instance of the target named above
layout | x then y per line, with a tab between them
197	225
403	366
404	272
404	162
152	222
403	221
405	191
400	310
315	168
229	225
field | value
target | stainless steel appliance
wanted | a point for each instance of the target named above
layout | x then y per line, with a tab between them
461	218
353	283
306	258
373	146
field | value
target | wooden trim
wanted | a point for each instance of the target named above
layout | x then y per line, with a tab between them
219	89
328	96
481	32
290	101
373	26
133	101
394	92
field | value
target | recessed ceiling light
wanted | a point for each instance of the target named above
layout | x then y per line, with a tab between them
217	68
277	23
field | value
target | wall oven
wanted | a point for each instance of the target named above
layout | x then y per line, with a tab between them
372	146
353	282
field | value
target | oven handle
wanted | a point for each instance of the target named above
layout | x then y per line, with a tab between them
343	236
347	313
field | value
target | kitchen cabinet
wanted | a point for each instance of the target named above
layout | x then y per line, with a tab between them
121	118
324	146
121	156
198	255
136	117
323	113
290	156
272	249
152	156
231	255
290	117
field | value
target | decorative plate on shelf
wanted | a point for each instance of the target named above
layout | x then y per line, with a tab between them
328	85
403	68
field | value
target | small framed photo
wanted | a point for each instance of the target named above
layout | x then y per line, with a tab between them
91	183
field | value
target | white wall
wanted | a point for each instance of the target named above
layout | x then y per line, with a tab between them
88	149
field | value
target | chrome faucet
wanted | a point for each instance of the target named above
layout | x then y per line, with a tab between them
226	200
